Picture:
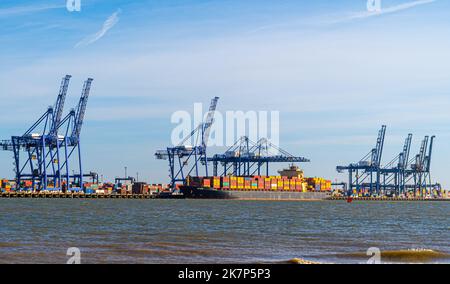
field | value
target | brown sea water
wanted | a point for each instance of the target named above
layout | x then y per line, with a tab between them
221	231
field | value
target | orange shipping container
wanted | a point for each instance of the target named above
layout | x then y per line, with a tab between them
260	183
267	183
233	183
247	184
298	185
206	182
292	184
286	184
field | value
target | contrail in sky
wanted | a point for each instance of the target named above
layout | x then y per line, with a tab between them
107	25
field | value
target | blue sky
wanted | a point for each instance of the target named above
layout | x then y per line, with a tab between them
334	73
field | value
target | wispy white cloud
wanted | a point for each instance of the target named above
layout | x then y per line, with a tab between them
337	19
107	25
384	11
20	10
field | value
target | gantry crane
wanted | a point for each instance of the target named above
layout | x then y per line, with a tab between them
399	176
46	152
247	158
185	160
395	172
367	172
420	170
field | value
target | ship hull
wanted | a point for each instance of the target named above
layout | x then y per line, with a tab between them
210	193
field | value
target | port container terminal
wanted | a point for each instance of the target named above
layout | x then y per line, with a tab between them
47	160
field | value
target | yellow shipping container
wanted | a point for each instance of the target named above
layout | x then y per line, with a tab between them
304	187
280	183
233	182
274	186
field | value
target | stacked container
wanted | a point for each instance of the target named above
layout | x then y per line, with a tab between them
233	182
225	183
261	183
216	182
240	184
274	184
254	183
247	183
206	182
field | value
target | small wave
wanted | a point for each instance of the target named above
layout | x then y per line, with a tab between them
414	255
405	256
298	261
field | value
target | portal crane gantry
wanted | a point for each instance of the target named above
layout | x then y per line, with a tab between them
47	153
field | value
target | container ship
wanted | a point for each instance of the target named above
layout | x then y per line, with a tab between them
290	184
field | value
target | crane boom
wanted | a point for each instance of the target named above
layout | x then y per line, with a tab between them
405	154
59	105
206	128
378	150
81	108
430	151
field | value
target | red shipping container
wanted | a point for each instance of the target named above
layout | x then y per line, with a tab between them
267	184
260	183
206	182
247	184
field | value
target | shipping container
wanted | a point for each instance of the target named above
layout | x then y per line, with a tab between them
298	185
140	188
206	182
226	182
240	184
233	182
261	183
286	184
280	183
254	184
267	184
292	184
247	183
216	182
274	184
